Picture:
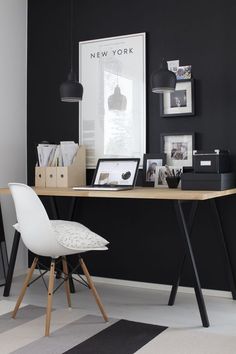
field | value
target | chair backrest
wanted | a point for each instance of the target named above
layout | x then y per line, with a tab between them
35	227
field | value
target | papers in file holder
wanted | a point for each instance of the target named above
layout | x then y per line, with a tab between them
57	174
56	155
46	154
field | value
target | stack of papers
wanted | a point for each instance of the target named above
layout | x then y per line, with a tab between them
57	155
68	152
46	154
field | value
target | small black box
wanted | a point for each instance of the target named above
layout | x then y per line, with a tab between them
207	181
216	161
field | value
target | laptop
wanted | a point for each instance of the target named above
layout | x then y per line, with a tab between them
114	175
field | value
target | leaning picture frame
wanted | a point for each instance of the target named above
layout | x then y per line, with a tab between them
112	114
150	164
178	148
181	102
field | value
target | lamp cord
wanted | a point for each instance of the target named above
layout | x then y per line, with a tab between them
71	34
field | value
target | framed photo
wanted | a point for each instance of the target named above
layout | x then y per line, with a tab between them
150	164
112	114
178	148
180	102
162	173
184	72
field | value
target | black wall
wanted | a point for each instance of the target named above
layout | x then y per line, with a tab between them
145	244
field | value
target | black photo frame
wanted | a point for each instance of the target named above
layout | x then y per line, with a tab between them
178	148
150	162
179	103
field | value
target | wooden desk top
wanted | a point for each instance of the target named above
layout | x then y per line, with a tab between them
137	193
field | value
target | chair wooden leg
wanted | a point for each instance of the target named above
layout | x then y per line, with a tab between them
93	289
24	287
50	295
66	283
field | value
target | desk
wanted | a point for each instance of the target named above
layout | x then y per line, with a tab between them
177	196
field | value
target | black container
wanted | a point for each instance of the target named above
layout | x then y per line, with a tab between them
172	181
216	161
207	181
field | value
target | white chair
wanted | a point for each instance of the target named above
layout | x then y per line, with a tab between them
53	238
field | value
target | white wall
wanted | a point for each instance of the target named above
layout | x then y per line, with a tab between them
13	84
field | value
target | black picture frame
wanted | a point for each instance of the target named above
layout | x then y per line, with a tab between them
183	95
148	159
178	148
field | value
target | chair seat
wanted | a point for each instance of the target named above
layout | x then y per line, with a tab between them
75	236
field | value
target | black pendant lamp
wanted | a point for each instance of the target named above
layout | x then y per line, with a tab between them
71	90
163	80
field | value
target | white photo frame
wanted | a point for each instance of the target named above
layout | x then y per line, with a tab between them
161	174
178	148
112	114
180	102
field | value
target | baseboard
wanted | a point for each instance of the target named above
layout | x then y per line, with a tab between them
161	287
151	286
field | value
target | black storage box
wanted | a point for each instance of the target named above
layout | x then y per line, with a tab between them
216	161
207	181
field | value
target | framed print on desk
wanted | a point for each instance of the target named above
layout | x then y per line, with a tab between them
150	164
112	114
178	148
180	102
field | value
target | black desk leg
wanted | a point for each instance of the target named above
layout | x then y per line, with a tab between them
55	214
72	208
229	267
189	251
12	262
70	218
182	262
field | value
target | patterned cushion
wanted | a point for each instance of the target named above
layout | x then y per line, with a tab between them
74	235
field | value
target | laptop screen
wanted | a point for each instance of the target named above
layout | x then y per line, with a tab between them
116	172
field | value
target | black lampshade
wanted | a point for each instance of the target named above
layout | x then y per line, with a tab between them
71	90
163	80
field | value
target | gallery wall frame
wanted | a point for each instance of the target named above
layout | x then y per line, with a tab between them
112	114
178	148
179	103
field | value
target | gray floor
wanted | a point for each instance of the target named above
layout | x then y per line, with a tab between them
142	305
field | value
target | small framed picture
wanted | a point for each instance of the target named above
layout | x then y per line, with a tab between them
178	148
150	164
180	102
184	72
163	172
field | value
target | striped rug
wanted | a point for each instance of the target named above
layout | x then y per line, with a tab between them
74	331
71	332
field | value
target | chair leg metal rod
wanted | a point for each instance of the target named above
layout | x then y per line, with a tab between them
71	283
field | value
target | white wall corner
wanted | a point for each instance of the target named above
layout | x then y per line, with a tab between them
13	108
